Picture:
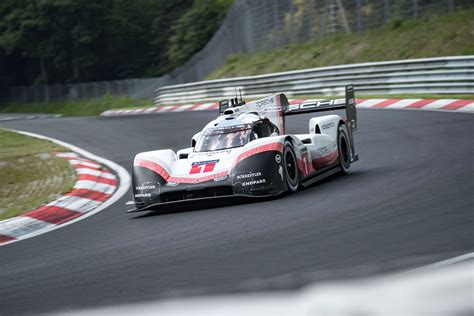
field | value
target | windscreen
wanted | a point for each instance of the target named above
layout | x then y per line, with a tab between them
225	138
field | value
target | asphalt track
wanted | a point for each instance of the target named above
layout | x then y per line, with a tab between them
408	202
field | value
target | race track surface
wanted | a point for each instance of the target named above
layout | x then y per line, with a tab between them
408	202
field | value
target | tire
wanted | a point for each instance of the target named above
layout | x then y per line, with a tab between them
290	167
344	149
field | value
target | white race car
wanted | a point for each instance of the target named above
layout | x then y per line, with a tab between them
246	152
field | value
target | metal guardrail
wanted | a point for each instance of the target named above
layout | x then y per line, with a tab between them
428	75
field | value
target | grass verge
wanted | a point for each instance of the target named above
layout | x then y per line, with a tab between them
30	174
76	108
431	36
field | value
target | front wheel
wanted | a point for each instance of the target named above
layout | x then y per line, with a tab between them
290	166
344	149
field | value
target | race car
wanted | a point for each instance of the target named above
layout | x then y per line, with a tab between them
245	152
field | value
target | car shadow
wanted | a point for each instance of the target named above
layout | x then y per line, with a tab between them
207	204
199	205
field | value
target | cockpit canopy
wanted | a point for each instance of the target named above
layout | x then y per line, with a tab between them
212	139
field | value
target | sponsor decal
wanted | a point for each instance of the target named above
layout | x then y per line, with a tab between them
249	175
203	166
326	150
248	183
264	102
280	171
278	158
145	187
217	179
316	104
172	184
329	125
141	195
210	153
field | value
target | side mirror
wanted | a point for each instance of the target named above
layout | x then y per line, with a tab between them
195	139
184	153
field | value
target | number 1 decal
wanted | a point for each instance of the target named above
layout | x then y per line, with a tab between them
203	166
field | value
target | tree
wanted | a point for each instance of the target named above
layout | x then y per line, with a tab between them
195	28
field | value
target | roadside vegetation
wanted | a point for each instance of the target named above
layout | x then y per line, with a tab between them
69	41
30	174
430	36
77	108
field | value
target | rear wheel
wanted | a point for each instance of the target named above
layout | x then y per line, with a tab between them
344	149
290	166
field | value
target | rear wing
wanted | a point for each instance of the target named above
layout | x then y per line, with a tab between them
310	106
348	104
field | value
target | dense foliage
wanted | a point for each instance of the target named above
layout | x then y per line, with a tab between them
65	41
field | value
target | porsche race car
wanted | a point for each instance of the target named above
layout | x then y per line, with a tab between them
246	152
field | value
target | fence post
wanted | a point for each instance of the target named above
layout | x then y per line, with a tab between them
415	9
359	15
309	17
342	11
451	5
386	11
332	15
276	24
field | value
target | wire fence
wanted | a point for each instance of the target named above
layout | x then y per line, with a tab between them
251	26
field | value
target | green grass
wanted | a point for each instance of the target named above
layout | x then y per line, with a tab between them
432	36
76	108
30	174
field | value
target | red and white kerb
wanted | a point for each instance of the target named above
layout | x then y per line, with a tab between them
95	184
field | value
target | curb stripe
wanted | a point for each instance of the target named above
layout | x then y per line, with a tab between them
467	108
80	165
103	173
385	103
423	104
89	194
401	104
5	238
75	203
437	104
420	103
53	214
365	104
84	163
456	105
22	225
98	179
94	186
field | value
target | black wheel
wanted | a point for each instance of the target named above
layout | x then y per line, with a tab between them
344	149
292	174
